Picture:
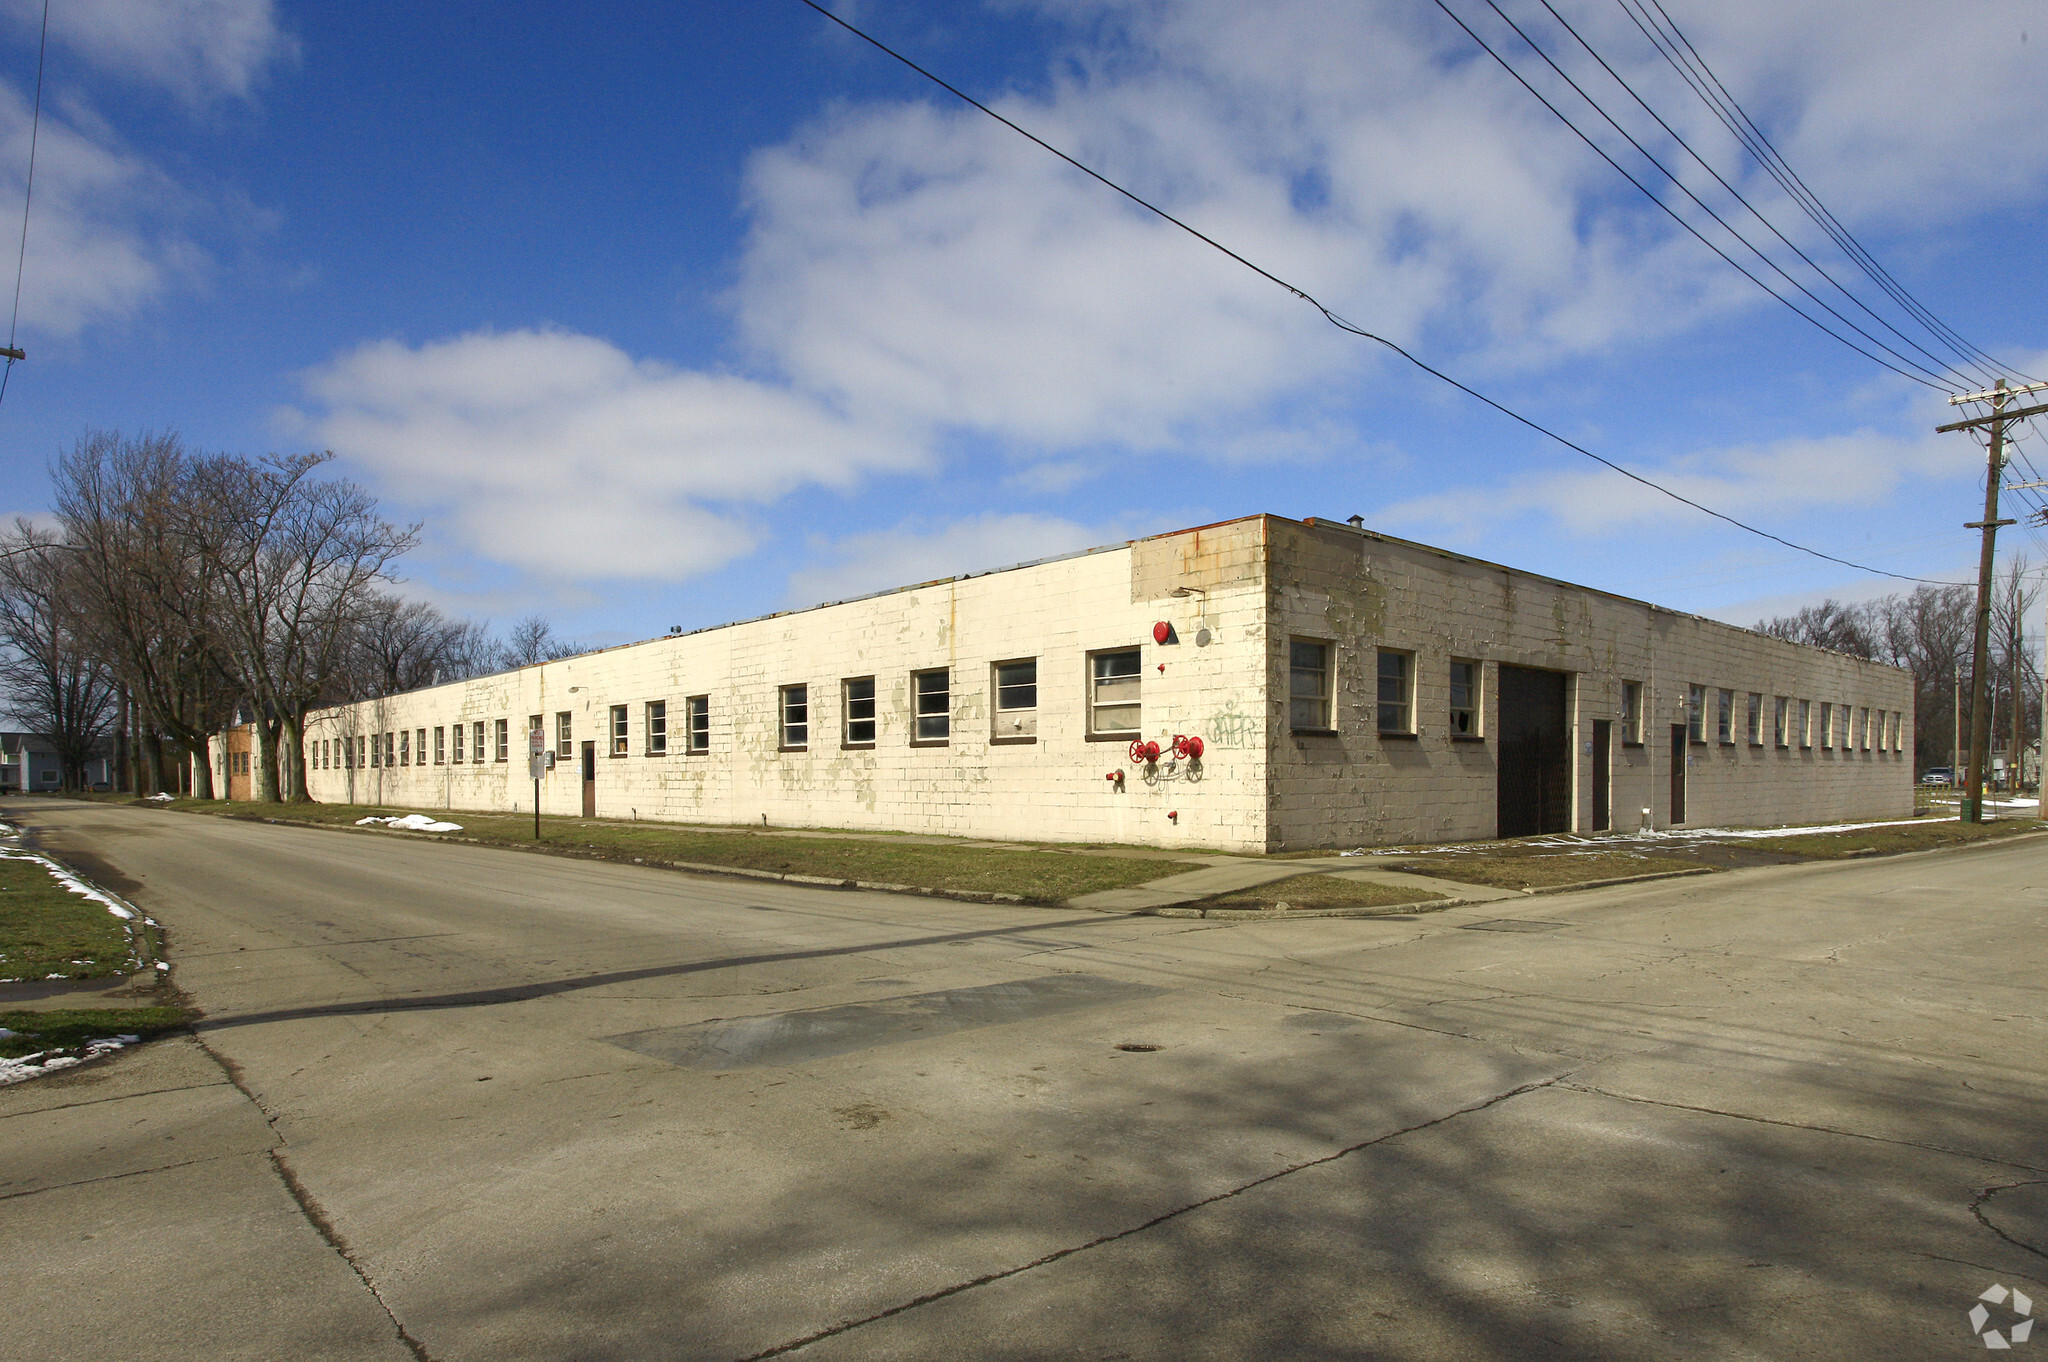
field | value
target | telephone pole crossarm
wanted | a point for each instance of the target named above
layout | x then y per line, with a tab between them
2000	416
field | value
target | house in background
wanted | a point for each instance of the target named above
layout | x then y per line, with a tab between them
29	763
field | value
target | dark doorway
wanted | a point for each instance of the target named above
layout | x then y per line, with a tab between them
1534	787
590	780
1603	737
1677	773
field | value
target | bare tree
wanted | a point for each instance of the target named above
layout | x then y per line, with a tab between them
534	640
298	563
1831	624
399	645
149	590
2013	669
53	683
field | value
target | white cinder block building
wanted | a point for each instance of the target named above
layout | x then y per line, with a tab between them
1345	687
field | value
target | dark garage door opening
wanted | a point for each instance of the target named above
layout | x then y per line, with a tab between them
1534	791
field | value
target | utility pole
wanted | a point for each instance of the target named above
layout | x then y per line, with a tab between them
1980	712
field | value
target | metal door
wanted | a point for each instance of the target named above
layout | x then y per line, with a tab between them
1533	769
1677	774
590	780
1603	737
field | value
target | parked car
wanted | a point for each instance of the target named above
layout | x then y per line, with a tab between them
1938	775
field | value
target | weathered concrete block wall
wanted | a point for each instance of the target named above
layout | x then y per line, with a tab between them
1053	788
1352	786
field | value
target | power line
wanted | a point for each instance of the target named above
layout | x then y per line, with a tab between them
35	128
1931	380
1664	34
1339	322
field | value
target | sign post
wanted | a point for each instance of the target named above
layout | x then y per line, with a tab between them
537	766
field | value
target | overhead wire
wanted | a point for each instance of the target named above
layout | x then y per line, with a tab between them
1339	322
1924	376
27	196
1678	51
1739	197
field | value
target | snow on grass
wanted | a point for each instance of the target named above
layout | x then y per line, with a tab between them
71	883
52	1061
411	822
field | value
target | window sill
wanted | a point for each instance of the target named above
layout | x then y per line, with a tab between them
1626	743
1409	737
1014	740
1313	732
931	742
615	756
857	747
698	752
797	747
1468	737
1115	737
651	753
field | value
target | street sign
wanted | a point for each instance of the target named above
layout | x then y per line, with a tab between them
537	765
536	743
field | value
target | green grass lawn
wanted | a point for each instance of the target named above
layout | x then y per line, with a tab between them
1937	832
73	1028
47	930
1035	875
1507	865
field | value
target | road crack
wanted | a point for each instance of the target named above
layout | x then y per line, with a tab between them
310	1207
986	1279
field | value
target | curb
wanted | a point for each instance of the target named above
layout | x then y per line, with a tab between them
1419	906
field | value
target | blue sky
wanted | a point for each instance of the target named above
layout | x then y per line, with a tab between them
672	314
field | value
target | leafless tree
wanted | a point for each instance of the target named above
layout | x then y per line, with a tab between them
299	562
534	640
149	589
52	683
1831	624
399	645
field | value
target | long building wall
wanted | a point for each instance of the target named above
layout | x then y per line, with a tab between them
1364	592
1052	786
1236	600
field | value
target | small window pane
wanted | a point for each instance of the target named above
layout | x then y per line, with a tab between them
1724	716
501	733
441	745
657	728
1017	699
476	741
563	735
1804	727
796	716
1393	691
860	711
1696	713
620	735
1464	699
933	694
1632	712
1308	685
700	723
1781	719
1114	705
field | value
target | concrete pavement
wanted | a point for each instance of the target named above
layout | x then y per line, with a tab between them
522	1107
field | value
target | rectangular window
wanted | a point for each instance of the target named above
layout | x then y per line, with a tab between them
536	734
460	730
619	734
1308	686
362	752
700	723
1805	726
565	733
1114	709
405	747
419	749
932	694
1695	713
794	704
1632	713
1898	730
441	745
657	728
1016	700
1755	726
1464	698
1863	728
376	750
501	740
1724	717
476	741
1827	724
857	705
1781	720
1396	674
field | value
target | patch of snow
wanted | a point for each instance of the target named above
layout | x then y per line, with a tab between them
412	822
35	1066
160	798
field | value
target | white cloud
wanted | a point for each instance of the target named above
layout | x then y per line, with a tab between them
559	453
863	563
107	229
199	50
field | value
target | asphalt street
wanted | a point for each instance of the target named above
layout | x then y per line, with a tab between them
457	1103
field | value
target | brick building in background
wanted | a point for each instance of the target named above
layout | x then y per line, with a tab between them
1347	689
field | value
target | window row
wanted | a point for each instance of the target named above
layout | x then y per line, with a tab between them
1795	722
453	744
1310	691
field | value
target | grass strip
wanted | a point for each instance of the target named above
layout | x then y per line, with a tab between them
1033	875
1945	832
47	931
1321	891
71	1029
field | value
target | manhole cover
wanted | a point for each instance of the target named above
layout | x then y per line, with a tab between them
1512	924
